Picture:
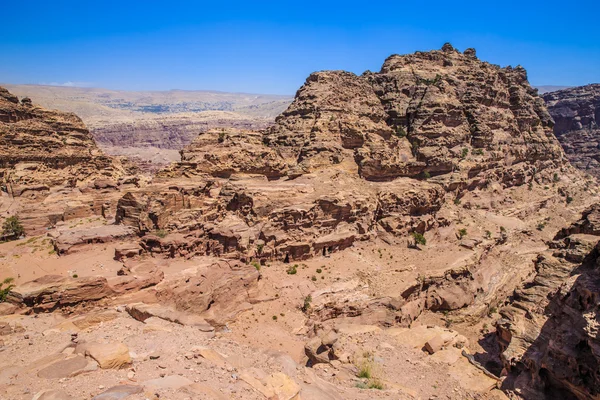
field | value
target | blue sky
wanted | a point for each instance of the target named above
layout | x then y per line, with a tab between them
271	47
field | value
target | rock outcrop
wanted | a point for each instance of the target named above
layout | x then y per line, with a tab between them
548	331
350	157
576	112
50	167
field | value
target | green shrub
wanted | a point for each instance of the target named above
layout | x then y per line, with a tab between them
319	270
8	287
419	238
488	234
457	201
464	153
293	270
313	278
555	177
478	152
12	227
256	265
426	175
400	132
375	384
306	306
161	233
365	371
569	199
502	229
462	233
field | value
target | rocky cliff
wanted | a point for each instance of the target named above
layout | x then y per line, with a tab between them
576	112
354	157
46	154
548	333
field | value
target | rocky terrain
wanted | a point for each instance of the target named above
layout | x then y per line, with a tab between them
577	115
412	233
150	127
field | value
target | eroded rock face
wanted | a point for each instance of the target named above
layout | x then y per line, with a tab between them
351	157
576	112
422	113
51	168
548	333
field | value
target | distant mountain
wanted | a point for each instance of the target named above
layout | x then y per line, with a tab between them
154	125
550	88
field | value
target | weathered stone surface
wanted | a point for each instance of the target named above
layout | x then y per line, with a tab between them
67	240
108	355
52	394
168	382
216	293
119	392
547	333
70	366
142	312
54	291
576	112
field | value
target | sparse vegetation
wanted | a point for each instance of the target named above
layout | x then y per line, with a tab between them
457	201
555	178
541	226
12	228
319	270
569	199
478	152
75	276
419	239
462	233
306	306
313	278
256	265
274	317
259	248
502	229
293	270
488	234
221	138
464	153
161	233
365	371
400	132
375	384
426	175
5	287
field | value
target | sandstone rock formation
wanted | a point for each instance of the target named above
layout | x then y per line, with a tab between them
352	155
548	332
576	112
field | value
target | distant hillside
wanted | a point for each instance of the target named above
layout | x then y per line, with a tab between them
550	88
151	124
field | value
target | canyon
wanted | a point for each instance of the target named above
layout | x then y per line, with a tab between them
417	232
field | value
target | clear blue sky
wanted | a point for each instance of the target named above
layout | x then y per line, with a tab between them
270	47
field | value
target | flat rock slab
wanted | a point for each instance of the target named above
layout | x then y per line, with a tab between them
119	392
142	312
108	355
68	367
168	382
67	240
52	395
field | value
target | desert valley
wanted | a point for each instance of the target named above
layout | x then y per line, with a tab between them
427	231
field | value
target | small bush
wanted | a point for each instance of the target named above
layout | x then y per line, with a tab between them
502	229
313	278
293	270
478	152
274	317
462	233
569	199
419	238
256	265
488	234
555	178
12	227
464	153
221	137
306	306
457	201
319	270
161	233
541	226
375	384
8	287
400	132
530	186
259	248
365	371
75	276
426	175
